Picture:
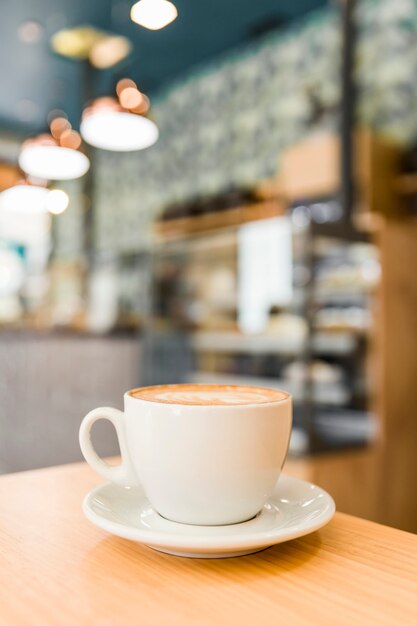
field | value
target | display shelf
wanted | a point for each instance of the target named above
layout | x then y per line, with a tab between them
332	394
201	243
234	342
327	415
357	332
336	430
185	227
341	296
332	342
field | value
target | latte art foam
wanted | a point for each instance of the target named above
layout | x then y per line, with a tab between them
207	395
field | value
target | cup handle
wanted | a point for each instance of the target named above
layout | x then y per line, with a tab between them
122	474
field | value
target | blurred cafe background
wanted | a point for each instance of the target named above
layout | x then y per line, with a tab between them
221	191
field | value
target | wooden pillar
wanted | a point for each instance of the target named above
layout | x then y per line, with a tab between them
396	371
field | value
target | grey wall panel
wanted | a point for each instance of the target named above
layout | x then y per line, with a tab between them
48	383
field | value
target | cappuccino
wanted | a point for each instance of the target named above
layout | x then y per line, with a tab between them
208	395
203	454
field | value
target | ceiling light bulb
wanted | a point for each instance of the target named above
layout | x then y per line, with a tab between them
59	125
124	83
53	162
24	199
153	14
56	201
75	43
109	51
130	98
70	139
118	131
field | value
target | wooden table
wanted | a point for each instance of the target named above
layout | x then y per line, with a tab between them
58	569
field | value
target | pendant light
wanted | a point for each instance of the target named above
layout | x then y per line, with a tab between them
118	124
102	49
54	156
153	14
25	198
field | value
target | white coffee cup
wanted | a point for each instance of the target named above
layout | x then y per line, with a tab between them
198	464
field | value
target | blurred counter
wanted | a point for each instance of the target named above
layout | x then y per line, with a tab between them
49	381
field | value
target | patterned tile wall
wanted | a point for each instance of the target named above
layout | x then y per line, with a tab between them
226	124
68	228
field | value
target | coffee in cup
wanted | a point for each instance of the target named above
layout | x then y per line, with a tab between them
208	395
204	454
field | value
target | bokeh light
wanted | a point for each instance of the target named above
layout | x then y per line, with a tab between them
53	162
58	126
143	107
109	51
119	131
125	83
30	32
130	98
23	198
70	139
56	201
153	14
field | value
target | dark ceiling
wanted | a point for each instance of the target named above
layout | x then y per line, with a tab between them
34	80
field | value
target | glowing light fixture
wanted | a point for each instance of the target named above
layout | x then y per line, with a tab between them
119	131
86	42
109	51
108	125
24	198
131	98
75	43
153	14
56	201
28	199
44	157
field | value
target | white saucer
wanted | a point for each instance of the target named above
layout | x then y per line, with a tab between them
295	509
